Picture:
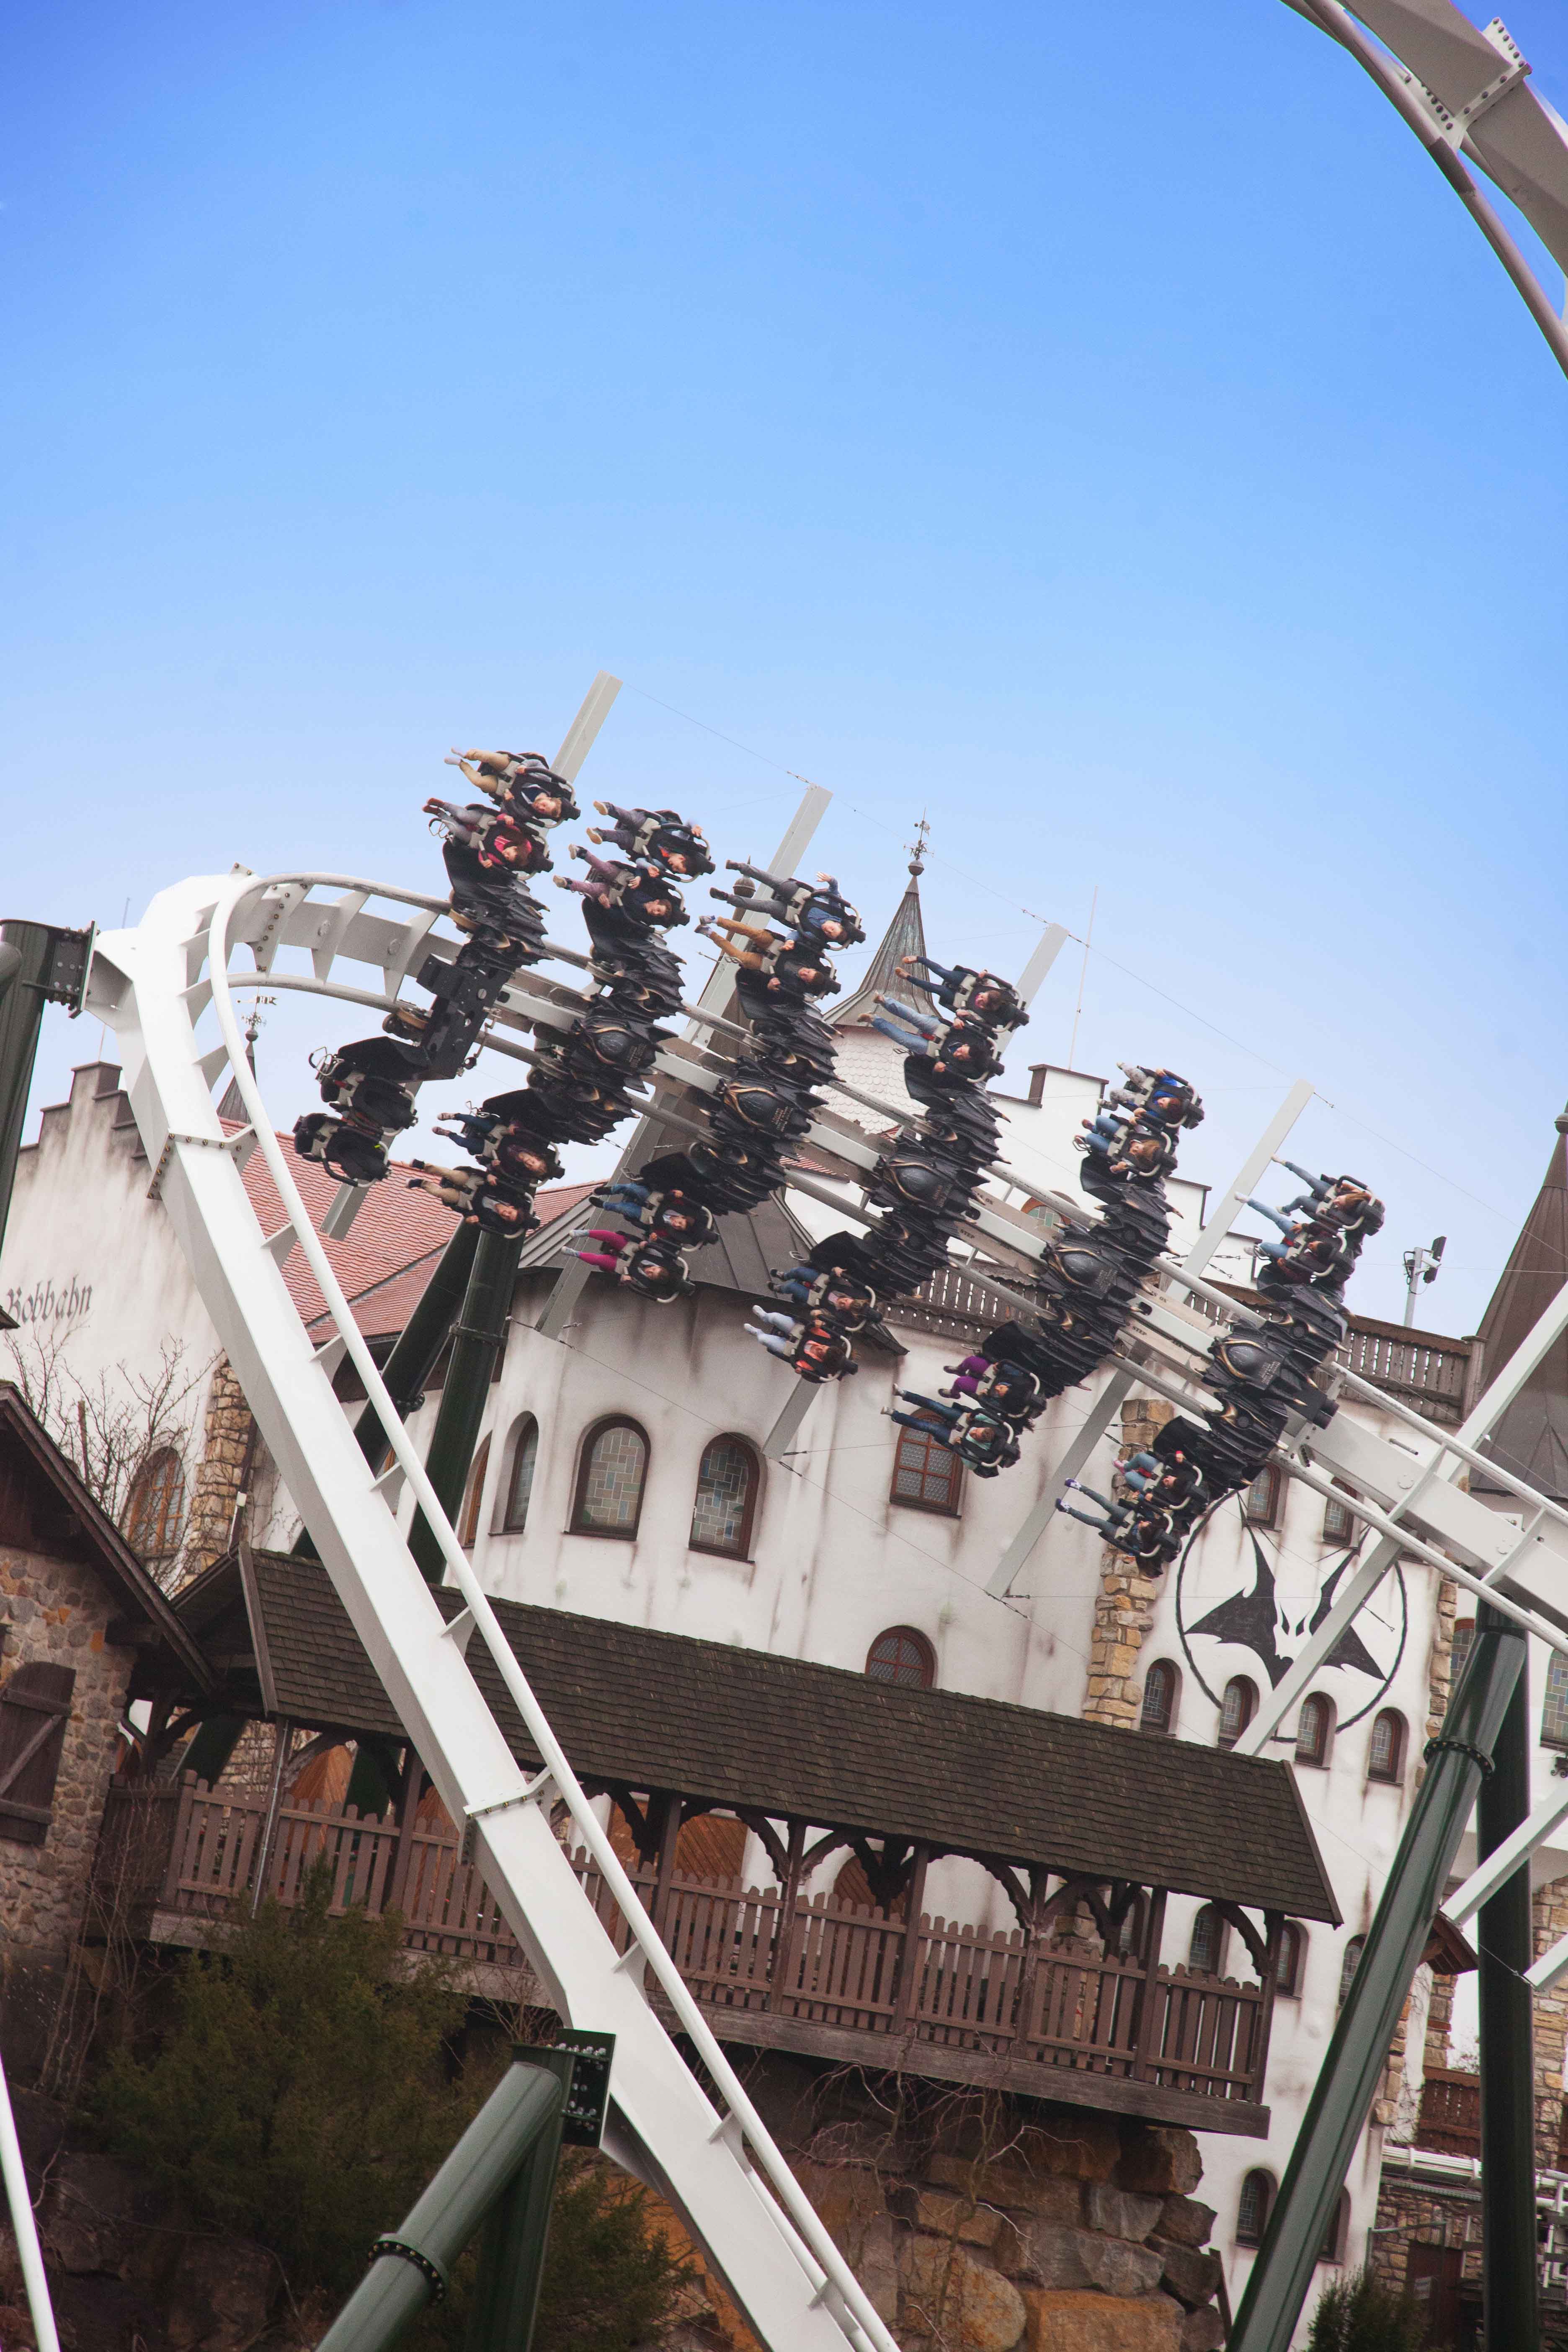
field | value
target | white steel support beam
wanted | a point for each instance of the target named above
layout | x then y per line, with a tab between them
1121	1384
1463	92
717	2163
1487	1409
1504	1860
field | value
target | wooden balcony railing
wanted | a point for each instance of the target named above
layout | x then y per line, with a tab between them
829	1976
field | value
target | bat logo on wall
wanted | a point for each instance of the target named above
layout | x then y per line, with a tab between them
1266	1619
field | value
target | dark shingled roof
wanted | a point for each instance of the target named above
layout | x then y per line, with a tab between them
745	1729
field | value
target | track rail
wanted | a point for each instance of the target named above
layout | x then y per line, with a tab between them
714	2158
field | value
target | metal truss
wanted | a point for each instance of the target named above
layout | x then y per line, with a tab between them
157	985
1464	91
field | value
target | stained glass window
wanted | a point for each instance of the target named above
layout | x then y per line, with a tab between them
156	1507
1252	2210
1313	1729
721	1512
1159	1709
1385	1754
1207	1949
519	1486
1236	1710
925	1474
610	1481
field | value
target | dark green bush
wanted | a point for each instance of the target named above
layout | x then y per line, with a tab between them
1358	2314
303	2096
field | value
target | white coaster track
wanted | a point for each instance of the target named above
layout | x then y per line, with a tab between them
715	2163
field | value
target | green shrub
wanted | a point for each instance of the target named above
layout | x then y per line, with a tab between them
303	2097
1358	2314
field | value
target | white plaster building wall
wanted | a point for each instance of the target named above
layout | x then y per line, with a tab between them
82	1185
833	1561
1357	1822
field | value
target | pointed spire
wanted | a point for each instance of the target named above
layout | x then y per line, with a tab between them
231	1107
905	936
1531	1438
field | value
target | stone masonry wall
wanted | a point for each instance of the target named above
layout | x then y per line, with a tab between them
1124	1606
977	2226
227	1440
56	1613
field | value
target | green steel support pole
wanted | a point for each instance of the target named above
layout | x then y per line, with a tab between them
1510	2279
415	1355
30	978
516	2232
524	2107
1456	1763
419	1344
477	1339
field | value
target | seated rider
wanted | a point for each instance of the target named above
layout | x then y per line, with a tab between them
524	781
658	837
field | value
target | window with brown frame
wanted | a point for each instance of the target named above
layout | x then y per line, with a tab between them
1314	1730
1332	2248
1236	1709
1253	2208
611	1477
468	1519
1292	1952
1385	1749
1206	1954
1339	1522
156	1507
1349	1965
1260	1502
902	1655
725	1503
520	1485
1161	1684
926	1475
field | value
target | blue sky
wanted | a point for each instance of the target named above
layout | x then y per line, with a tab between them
1104	433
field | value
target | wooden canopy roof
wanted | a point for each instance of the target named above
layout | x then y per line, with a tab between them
781	1737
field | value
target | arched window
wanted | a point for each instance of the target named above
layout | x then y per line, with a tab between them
1260	1502
519	1484
1349	1965
611	1477
1292	1952
1253	2208
468	1517
1332	2248
726	1498
1238	1708
1206	1951
1314	1730
925	1475
156	1507
902	1655
1385	1754
1160	1688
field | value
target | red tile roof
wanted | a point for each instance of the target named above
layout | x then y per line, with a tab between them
386	1306
390	1251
